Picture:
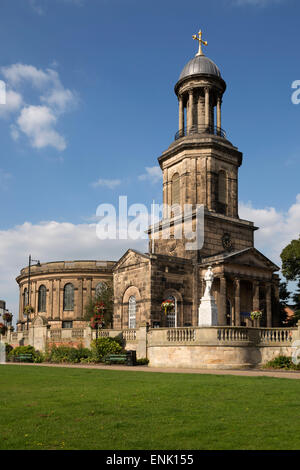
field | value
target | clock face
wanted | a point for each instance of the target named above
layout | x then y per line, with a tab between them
226	241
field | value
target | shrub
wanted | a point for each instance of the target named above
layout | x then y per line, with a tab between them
59	354
19	350
142	362
8	348
282	362
103	346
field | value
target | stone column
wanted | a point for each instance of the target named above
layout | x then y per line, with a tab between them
255	304
190	110
277	302
222	301
237	302
206	89
181	116
58	315
79	302
219	102
200	113
268	305
21	306
50	299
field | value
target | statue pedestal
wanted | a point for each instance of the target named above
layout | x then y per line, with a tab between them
208	312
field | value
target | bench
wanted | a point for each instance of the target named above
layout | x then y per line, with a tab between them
23	358
119	358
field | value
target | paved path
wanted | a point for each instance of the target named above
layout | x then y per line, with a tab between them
245	373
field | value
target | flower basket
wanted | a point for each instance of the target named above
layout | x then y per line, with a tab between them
256	315
167	306
7	317
97	321
28	310
3	329
99	308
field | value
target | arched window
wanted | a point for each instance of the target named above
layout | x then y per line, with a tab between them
69	297
172	316
25	297
42	299
99	288
175	189
222	187
132	312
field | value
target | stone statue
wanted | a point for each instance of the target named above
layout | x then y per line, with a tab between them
208	312
209	278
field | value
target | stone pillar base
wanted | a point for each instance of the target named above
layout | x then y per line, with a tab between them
208	312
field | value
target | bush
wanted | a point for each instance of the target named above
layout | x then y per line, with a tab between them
282	362
59	354
103	346
8	348
19	350
142	362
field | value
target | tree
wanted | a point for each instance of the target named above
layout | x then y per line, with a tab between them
284	296
104	295
290	257
296	299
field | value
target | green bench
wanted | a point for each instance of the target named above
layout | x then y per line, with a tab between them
23	358
116	358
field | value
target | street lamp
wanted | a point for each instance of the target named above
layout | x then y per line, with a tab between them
29	272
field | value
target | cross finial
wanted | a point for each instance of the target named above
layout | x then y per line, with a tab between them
199	38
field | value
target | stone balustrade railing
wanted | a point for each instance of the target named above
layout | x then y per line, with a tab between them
129	335
276	335
181	335
232	334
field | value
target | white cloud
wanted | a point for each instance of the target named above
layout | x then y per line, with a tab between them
40	6
13	103
277	229
37	121
52	241
153	174
111	184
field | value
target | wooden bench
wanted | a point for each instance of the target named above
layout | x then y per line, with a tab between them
23	358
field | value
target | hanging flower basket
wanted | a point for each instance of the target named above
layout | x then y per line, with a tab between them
28	310
3	329
97	321
99	308
256	315
7	317
167	306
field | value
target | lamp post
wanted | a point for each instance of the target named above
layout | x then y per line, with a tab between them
29	272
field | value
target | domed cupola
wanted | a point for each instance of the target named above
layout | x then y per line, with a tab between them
200	90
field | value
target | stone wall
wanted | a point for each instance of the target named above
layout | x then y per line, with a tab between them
198	348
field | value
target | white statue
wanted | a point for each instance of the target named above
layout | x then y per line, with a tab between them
209	278
208	312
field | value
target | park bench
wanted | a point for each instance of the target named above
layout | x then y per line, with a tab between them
126	358
23	358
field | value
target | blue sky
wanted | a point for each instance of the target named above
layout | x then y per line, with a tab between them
91	106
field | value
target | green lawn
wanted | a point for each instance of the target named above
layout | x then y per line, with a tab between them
64	408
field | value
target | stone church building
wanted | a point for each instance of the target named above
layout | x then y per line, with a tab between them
200	168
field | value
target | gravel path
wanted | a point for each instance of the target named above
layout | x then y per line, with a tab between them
245	373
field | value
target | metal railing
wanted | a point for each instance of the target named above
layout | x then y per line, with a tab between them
200	130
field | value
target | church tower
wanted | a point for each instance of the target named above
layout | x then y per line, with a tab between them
201	166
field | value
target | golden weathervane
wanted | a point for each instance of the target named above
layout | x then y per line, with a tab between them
200	52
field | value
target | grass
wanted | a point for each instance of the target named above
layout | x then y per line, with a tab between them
64	408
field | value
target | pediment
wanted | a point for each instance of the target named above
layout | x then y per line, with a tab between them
252	258
131	258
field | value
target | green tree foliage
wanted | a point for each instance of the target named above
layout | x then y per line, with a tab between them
102	346
284	296
290	257
105	295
